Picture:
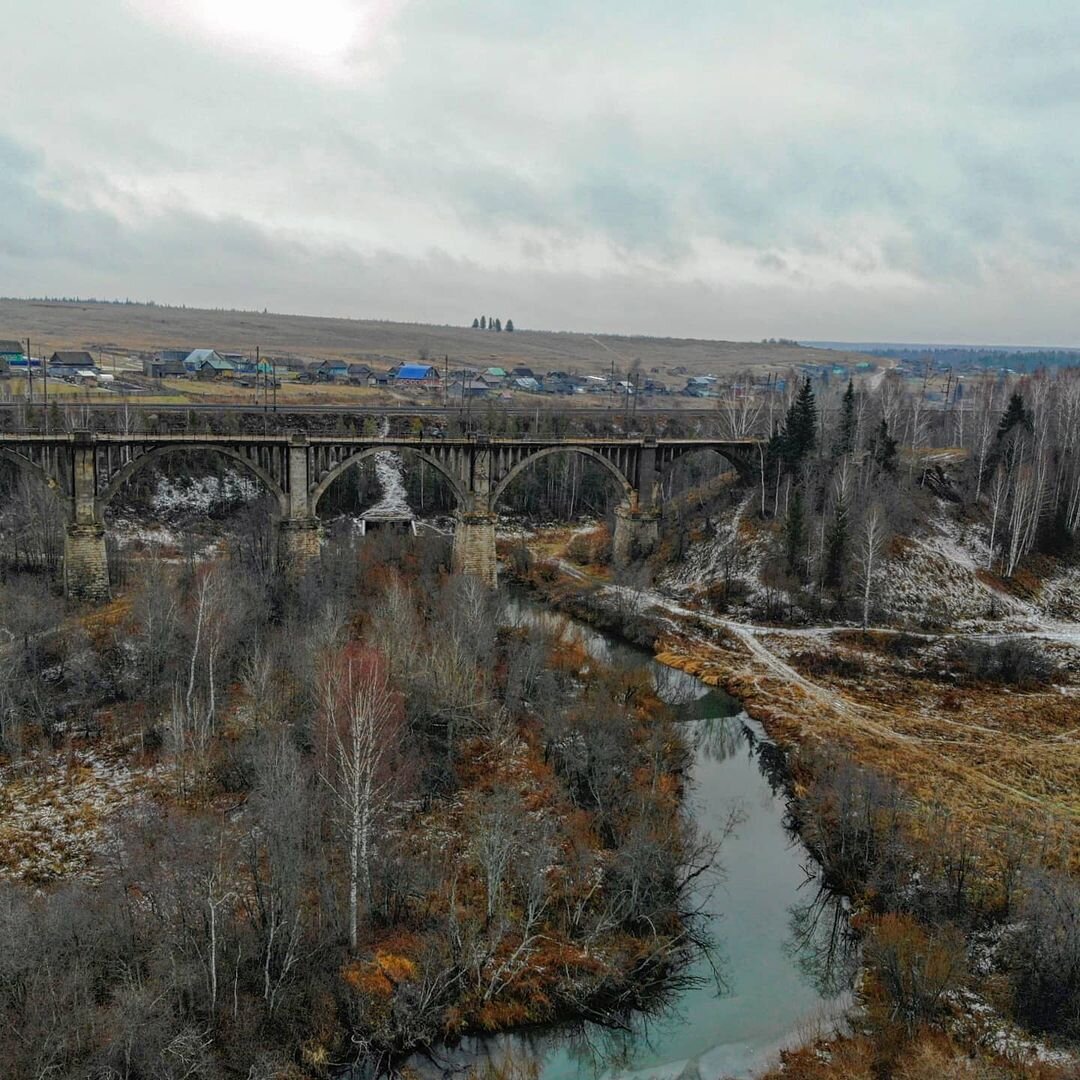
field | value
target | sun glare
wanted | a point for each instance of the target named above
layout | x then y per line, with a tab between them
322	36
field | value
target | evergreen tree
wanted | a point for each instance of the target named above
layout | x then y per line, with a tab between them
498	325
800	427
1014	423
795	531
836	547
476	324
845	437
884	449
1016	415
483	322
509	326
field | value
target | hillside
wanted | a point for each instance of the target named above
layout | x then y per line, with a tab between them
127	328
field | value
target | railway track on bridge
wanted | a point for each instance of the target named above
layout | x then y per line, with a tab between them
453	411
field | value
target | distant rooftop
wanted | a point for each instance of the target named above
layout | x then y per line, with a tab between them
408	372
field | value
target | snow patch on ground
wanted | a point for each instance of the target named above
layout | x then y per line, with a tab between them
54	812
198	495
1061	596
135	532
927	586
390	472
982	1022
937	579
732	549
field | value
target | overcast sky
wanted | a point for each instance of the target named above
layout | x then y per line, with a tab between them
737	169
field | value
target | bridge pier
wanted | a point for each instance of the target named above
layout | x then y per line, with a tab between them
299	541
86	565
637	533
474	545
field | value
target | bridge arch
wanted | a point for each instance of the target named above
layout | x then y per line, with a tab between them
31	467
370	451
585	451
42	475
743	465
136	463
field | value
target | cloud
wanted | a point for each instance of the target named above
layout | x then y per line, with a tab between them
825	169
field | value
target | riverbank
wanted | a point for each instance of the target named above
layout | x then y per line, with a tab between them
976	793
783	955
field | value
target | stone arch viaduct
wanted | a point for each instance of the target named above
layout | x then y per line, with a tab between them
86	470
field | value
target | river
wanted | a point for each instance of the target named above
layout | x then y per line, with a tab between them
785	954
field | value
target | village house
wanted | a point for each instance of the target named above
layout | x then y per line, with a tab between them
194	359
417	375
559	383
11	352
472	388
700	385
67	364
331	371
210	365
166	364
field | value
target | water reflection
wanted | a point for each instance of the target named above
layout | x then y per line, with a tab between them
771	760
788	955
719	737
822	942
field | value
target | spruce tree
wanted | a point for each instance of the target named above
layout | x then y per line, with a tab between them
845	437
836	547
476	324
498	325
509	326
1014	423
483	322
885	449
1016	415
800	427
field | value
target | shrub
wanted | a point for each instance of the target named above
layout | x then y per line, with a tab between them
824	664
911	970
1010	662
1044	955
589	548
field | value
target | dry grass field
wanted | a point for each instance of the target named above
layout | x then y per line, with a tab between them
112	330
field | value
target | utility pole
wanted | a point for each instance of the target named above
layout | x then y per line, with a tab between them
266	391
29	373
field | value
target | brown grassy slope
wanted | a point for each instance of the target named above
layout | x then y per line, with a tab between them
994	758
136	327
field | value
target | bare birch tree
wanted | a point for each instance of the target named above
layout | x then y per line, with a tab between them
361	716
869	554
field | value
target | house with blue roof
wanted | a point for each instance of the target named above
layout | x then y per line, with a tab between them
416	374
